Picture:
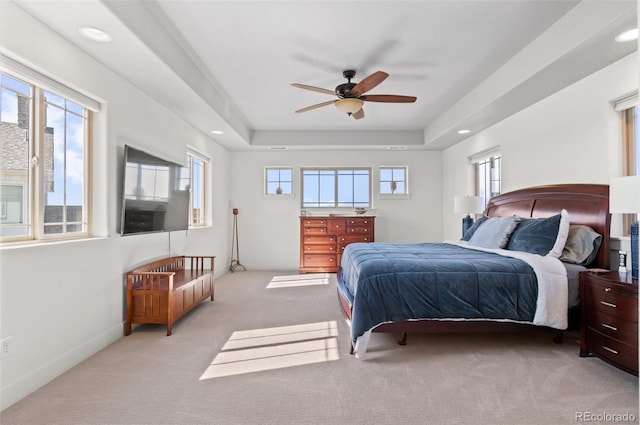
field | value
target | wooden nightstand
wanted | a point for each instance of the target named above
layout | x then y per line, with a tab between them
609	319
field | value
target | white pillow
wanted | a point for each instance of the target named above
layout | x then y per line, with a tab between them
495	232
563	234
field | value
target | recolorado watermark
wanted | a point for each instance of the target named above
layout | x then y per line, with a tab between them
601	417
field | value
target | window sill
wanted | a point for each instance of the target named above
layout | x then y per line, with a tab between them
37	243
394	197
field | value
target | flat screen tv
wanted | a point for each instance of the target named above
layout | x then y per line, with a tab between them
155	194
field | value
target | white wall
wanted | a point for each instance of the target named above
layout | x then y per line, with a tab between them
62	302
572	136
269	226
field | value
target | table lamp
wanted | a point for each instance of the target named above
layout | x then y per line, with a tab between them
467	205
624	198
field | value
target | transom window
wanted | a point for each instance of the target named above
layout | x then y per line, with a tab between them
336	187
44	189
393	181
278	180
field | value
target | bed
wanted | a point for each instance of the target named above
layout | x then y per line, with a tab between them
460	286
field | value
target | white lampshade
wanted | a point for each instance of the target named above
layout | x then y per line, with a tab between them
468	204
349	105
624	195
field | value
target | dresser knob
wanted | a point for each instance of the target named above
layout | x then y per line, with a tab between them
613	328
608	304
607	289
611	350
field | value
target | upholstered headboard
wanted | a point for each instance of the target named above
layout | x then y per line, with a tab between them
586	204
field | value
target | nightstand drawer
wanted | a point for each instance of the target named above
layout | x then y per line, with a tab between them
610	302
613	327
613	350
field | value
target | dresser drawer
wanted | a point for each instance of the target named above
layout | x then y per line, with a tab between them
360	221
358	230
613	350
319	248
336	227
611	302
315	230
319	260
313	239
613	327
345	240
314	222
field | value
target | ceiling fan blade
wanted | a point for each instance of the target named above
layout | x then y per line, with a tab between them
312	88
358	115
317	105
388	98
368	83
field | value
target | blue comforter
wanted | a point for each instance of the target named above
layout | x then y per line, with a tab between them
395	282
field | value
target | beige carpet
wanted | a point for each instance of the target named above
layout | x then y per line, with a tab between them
283	357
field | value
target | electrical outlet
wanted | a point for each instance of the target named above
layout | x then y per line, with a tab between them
5	347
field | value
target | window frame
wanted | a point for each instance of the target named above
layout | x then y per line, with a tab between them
204	197
267	181
487	157
394	195
336	202
35	172
630	152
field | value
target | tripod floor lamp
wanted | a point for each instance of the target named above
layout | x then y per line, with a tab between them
467	205
235	256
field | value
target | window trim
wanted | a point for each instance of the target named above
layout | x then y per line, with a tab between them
482	157
335	192
36	154
397	195
266	182
206	164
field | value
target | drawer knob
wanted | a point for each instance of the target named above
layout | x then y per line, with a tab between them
611	350
331	260
608	304
607	289
613	328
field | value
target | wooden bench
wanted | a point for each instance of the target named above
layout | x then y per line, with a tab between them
165	290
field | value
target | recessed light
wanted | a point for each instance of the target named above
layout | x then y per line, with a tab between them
95	34
628	35
464	131
217	132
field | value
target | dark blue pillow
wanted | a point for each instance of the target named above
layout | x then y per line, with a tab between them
536	235
471	230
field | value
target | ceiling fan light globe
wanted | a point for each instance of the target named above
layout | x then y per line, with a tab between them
349	105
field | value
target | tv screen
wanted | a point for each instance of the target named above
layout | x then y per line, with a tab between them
155	194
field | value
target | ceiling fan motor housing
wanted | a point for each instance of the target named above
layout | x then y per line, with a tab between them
344	90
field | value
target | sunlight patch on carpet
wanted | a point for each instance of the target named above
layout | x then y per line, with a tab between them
299	280
275	348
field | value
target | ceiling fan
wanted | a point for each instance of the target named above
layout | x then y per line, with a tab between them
351	96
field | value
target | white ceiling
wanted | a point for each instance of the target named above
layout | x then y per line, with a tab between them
229	64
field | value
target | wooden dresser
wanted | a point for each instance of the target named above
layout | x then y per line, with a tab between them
609	320
323	238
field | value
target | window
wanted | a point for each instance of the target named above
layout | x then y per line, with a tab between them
278	181
487	175
336	187
197	172
393	181
630	152
45	138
